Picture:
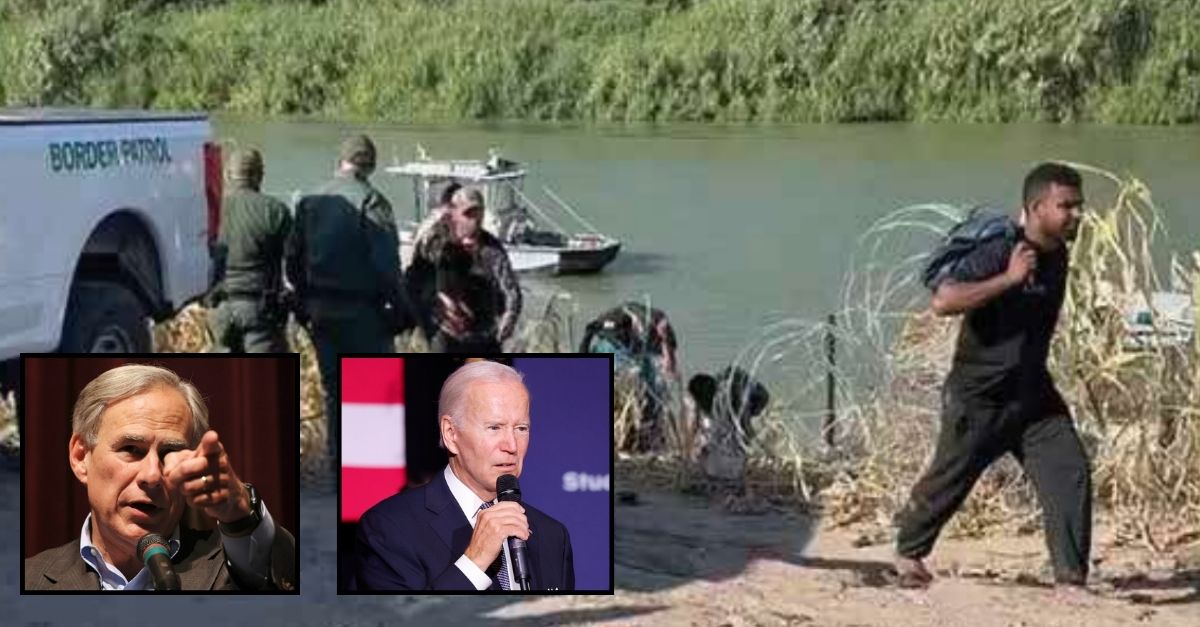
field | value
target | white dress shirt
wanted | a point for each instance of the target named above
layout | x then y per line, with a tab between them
470	502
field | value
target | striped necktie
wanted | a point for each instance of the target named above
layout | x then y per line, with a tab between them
502	573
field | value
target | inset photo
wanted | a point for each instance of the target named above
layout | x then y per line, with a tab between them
160	473
476	475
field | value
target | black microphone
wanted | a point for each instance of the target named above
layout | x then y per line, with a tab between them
152	550
507	489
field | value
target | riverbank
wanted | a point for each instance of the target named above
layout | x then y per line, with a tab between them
684	561
1109	61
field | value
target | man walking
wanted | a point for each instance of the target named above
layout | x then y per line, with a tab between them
999	397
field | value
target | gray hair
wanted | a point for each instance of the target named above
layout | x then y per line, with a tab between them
454	391
125	381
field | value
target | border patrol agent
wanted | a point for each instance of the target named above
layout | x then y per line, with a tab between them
249	315
344	261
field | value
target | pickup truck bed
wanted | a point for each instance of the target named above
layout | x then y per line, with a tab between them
105	223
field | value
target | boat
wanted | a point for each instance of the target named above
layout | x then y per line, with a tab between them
1166	319
534	240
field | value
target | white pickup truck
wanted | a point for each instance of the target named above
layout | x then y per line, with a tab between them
106	218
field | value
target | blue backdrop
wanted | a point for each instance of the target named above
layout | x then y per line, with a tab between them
567	469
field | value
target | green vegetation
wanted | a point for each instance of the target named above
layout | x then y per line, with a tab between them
1120	61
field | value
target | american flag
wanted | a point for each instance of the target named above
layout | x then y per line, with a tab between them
373	462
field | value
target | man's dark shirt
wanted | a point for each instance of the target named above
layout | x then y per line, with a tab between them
254	227
483	282
344	244
1003	345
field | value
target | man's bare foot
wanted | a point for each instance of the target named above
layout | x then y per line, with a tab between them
1076	595
911	573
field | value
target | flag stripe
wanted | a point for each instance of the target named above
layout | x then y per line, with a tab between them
364	487
372	380
372	435
373	451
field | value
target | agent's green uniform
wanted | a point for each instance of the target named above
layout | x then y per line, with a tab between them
249	316
344	261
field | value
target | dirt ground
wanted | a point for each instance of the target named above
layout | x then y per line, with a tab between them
685	560
681	561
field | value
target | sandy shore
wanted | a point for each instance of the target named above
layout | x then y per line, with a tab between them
751	570
683	561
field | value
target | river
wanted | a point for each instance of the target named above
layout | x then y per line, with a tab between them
730	228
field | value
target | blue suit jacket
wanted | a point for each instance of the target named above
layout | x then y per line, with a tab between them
410	541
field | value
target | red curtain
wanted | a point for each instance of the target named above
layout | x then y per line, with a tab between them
253	404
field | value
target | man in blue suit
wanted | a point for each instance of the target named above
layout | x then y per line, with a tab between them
450	534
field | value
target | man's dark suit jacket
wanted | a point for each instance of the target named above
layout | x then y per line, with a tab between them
410	541
200	564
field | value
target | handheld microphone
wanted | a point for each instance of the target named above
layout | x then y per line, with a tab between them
507	489
152	550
